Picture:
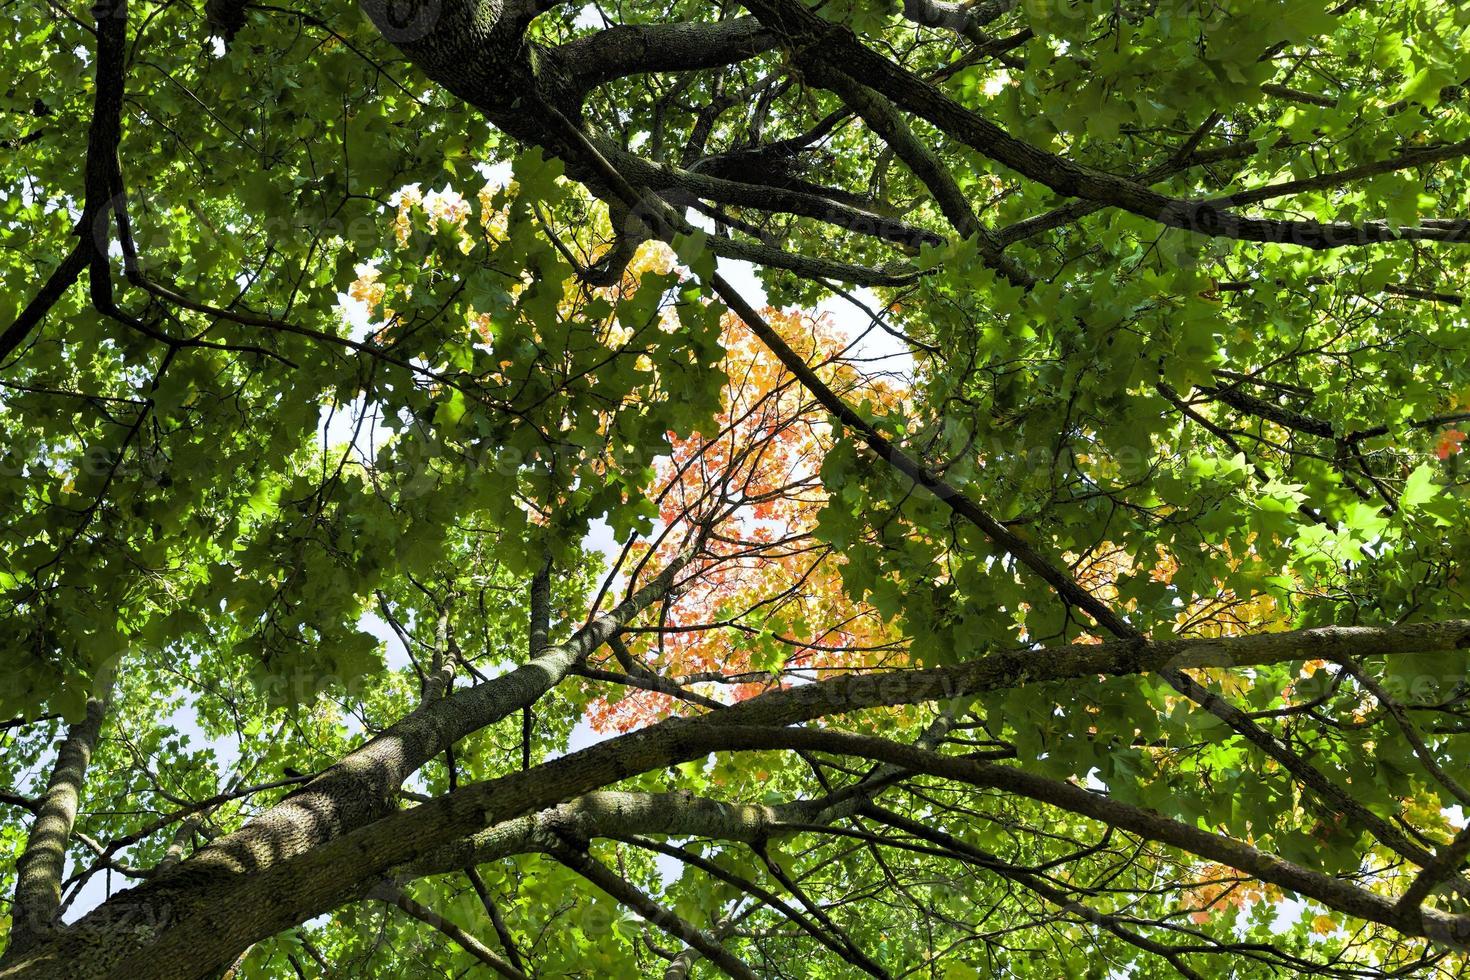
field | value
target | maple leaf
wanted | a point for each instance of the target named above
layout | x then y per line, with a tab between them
756	482
1449	443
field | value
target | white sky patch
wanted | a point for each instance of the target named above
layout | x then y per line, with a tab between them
342	429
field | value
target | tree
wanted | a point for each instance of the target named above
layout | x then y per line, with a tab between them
1155	542
764	605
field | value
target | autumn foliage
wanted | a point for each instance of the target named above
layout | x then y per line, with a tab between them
751	492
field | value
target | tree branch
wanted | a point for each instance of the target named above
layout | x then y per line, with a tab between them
824	45
312	882
39	869
458	935
634	898
624	50
363	785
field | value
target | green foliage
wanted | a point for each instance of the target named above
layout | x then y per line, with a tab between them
413	398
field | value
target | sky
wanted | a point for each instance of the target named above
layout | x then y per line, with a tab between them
878	350
874	348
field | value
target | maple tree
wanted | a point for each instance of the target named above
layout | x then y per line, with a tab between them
428	553
763	606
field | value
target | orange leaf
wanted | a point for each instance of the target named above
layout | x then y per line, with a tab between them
1449	443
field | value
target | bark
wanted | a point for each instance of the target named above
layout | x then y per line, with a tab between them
810	34
263	904
165	930
1067	589
673	182
681	964
962	18
595	872
358	790
461	938
327	843
599	58
364	785
827	46
479	52
497	920
1450	929
42	864
100	169
618	814
1244	401
61	279
539	631
921	159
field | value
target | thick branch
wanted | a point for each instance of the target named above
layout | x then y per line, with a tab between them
308	884
671	182
39	870
364	784
617	52
626	894
103	136
961	18
829	46
458	935
315	882
617	814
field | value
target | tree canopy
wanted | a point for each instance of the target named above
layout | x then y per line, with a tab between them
940	488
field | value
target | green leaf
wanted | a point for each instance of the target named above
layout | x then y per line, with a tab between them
1419	488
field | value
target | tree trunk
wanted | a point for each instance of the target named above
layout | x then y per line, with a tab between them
41	866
